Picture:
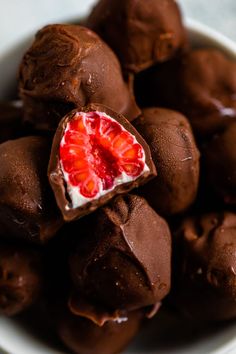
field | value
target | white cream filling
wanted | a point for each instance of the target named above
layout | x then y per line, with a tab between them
77	199
120	320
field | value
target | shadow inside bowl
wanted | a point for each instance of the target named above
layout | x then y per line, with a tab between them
169	333
166	333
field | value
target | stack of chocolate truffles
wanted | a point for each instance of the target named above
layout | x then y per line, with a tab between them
118	177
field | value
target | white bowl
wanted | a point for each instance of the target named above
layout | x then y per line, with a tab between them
166	334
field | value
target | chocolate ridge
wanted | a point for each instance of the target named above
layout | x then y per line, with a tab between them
119	248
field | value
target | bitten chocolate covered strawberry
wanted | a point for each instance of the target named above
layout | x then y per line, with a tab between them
96	154
66	67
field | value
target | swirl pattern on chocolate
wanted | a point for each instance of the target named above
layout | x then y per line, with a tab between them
69	66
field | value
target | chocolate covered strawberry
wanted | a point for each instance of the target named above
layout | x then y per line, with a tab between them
96	154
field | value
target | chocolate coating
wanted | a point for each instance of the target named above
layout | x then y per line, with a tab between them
27	206
69	66
140	32
84	337
123	263
20	278
205	278
157	86
10	119
205	80
176	158
56	178
220	164
208	90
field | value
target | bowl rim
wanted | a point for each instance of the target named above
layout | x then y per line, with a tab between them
218	38
193	26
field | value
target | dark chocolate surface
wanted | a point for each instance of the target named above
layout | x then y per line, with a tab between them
11	120
69	66
158	86
176	158
82	336
122	262
56	178
20	278
140	32
204	276
208	84
202	85
220	164
27	206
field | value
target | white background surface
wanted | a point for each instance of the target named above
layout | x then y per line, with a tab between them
20	17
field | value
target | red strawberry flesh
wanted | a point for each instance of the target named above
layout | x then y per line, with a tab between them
96	154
